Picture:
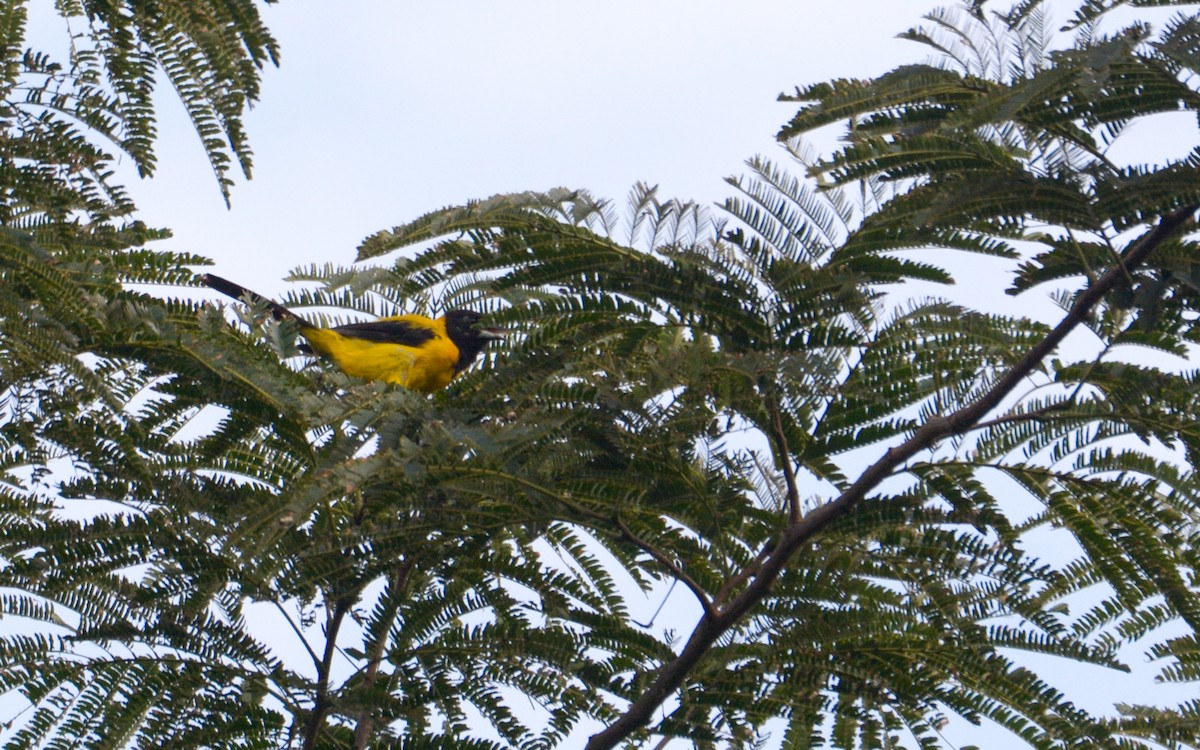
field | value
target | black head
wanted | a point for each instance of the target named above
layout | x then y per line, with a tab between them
462	326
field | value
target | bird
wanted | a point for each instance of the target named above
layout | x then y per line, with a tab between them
419	353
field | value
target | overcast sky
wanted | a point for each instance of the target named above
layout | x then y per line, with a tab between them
383	111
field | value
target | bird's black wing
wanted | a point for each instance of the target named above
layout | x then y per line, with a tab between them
387	332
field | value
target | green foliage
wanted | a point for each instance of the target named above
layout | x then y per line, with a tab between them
52	112
691	396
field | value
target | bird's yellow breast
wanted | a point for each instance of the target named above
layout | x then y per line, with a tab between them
426	368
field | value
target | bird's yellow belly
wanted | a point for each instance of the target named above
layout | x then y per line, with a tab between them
427	368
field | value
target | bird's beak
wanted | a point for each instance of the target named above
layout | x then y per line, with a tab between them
492	333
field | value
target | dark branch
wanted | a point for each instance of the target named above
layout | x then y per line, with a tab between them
673	567
364	731
711	627
779	437
321	701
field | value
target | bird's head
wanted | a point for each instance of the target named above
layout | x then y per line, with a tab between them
462	326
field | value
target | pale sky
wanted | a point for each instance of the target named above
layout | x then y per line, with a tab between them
383	111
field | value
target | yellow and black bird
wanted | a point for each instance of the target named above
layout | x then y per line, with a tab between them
422	354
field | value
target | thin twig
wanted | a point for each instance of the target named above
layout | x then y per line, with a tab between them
779	437
658	610
745	573
299	634
673	567
1037	415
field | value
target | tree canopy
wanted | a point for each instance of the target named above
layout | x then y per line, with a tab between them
210	541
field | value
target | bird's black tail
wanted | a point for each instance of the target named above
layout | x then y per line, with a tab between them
239	292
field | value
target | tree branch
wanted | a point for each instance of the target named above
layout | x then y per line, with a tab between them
364	731
779	436
744	574
299	634
673	567
1044	414
321	701
711	627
